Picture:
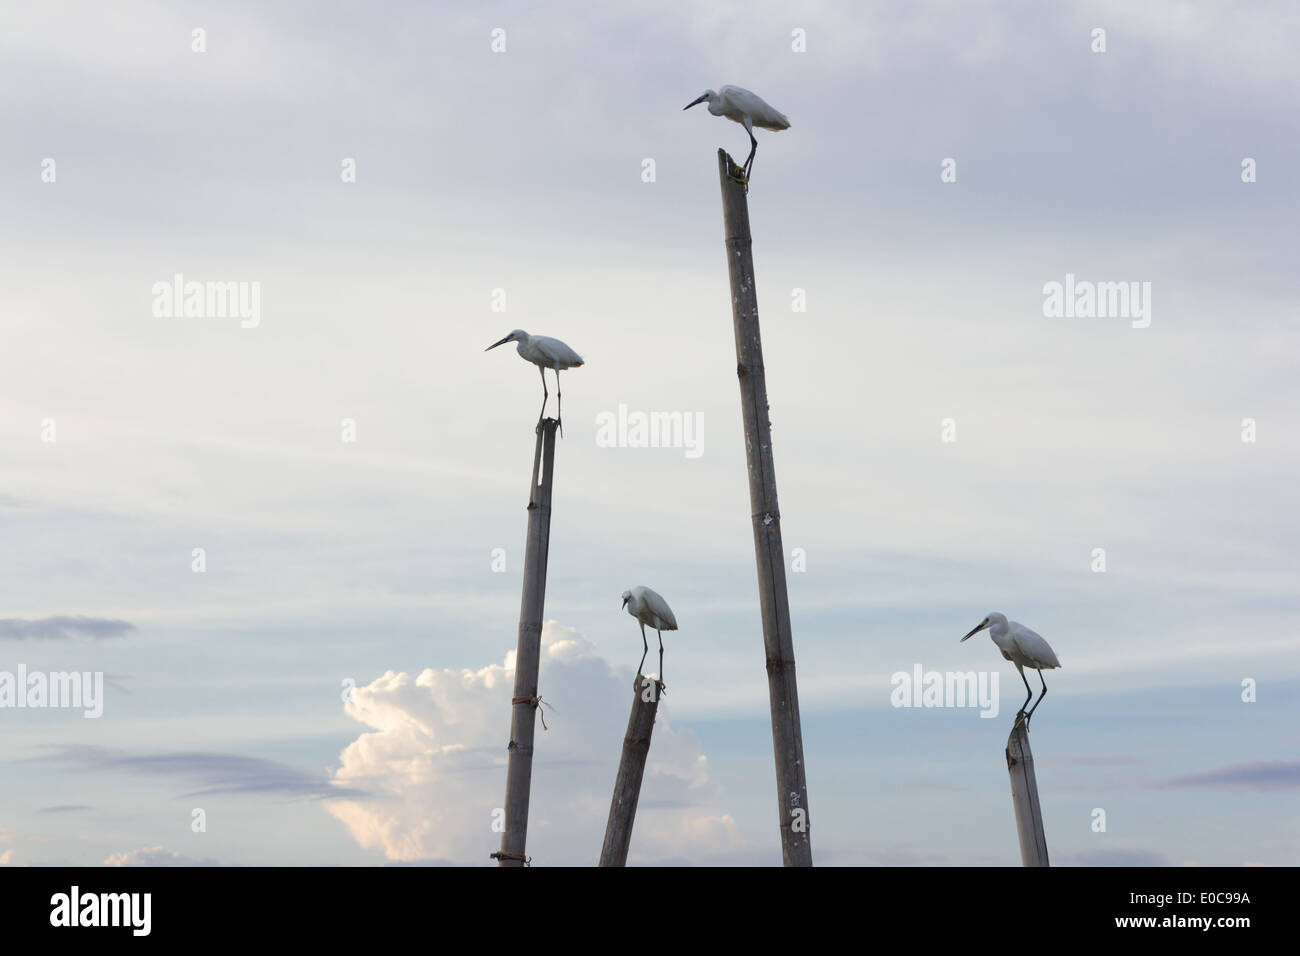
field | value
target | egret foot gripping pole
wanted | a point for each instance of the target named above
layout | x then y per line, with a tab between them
737	173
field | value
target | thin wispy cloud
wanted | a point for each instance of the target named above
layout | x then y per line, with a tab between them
211	773
1100	760
1264	775
62	627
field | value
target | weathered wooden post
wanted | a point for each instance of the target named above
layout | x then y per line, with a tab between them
787	734
523	705
631	769
1024	797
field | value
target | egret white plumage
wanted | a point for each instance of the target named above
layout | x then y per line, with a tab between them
649	607
1022	647
746	108
544	352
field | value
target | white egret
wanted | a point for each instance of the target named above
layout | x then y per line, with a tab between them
1022	647
746	108
544	352
648	607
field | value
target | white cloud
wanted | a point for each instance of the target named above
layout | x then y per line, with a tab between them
436	761
6	856
155	856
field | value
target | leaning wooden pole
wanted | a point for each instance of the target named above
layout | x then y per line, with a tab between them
631	769
787	735
1024	796
524	703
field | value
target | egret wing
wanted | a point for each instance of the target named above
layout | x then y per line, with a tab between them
1035	647
655	603
556	352
760	112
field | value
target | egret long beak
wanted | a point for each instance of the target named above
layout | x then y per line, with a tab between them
495	344
975	630
625	600
696	102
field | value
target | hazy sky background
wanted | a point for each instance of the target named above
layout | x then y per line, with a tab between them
522	171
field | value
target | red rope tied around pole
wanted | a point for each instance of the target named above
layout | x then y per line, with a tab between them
536	702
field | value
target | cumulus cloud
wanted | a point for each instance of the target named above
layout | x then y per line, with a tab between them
61	628
7	856
434	764
156	856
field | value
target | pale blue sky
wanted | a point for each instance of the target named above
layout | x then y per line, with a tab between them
522	171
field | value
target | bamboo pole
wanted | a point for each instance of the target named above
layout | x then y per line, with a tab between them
1024	797
631	769
787	734
523	705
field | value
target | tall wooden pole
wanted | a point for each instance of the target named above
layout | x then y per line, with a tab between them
631	769
1024	797
523	705
787	734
